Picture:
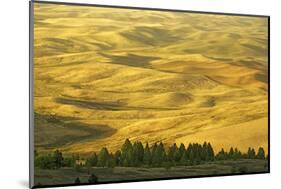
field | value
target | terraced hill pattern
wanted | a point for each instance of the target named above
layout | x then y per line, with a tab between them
102	75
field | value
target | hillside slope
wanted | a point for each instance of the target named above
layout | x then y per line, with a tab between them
102	75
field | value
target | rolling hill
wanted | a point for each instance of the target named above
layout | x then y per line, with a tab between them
102	75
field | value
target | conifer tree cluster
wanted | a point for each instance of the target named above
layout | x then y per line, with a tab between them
157	155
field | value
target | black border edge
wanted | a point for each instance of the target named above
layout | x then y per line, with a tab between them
31	125
147	8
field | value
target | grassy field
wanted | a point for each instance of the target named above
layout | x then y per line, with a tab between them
102	75
68	175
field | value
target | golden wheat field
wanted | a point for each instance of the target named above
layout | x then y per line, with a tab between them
102	75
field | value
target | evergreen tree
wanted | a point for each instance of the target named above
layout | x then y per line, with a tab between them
127	153
190	154
164	154
181	151
153	149
103	157
140	150
231	153
138	153
204	152
251	153
177	156
260	154
222	155
147	155
237	154
153	153
210	151
159	155
197	150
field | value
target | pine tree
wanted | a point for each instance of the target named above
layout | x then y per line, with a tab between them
204	152
138	153
231	153
260	154
164	154
197	150
103	157
153	149
237	154
190	154
222	155
251	153
175	153
159	155
188	151
181	151
127	153
134	160
210	151
147	155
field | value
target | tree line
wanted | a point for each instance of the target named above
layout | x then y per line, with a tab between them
138	155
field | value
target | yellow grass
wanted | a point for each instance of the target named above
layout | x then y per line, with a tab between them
150	76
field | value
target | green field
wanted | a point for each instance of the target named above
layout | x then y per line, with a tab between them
68	175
